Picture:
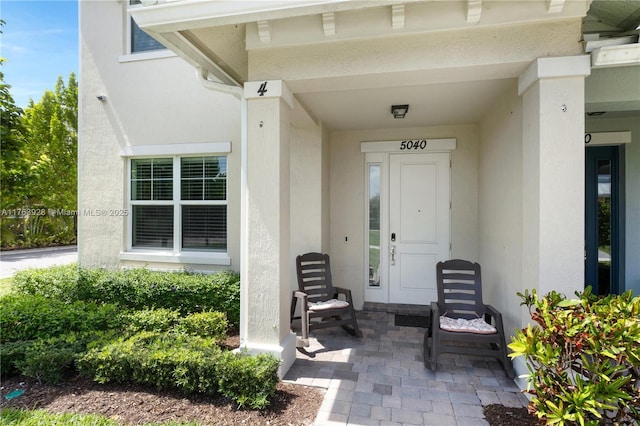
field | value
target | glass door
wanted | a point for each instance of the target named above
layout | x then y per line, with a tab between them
602	220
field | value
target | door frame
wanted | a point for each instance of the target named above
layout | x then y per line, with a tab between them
615	154
378	153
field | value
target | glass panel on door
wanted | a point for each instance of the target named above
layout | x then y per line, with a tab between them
374	225
602	220
604	226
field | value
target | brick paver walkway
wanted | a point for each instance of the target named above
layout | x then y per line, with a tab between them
380	379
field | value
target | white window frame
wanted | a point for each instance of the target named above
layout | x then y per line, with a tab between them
174	254
129	55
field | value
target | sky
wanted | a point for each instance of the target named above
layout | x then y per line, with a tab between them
39	43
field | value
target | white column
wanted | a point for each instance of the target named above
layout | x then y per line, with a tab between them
552	91
265	270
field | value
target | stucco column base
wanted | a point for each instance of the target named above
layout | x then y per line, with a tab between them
285	351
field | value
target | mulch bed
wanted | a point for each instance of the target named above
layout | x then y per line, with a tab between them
132	404
499	415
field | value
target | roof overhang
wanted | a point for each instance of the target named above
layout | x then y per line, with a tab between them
216	35
468	51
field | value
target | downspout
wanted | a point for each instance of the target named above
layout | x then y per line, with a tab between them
238	92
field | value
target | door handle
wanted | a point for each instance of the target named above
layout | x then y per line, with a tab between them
393	254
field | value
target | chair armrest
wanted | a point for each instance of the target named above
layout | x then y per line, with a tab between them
435	318
300	294
493	313
435	310
303	298
345	291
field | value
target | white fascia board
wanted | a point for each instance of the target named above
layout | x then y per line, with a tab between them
566	66
616	56
178	15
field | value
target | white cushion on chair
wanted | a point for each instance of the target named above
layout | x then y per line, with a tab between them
328	304
461	325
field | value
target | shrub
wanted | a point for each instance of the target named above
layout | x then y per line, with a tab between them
185	362
59	282
160	319
47	360
149	358
186	292
249	380
11	354
138	288
583	358
205	324
26	317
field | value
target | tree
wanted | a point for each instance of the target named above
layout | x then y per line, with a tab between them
12	140
39	167
52	132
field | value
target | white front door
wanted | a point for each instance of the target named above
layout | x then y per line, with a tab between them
419	223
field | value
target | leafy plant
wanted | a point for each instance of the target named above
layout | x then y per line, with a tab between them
138	289
59	282
160	319
583	357
39	167
205	324
248	380
48	360
25	317
189	363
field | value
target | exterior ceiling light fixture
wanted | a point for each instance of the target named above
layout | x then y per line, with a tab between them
399	111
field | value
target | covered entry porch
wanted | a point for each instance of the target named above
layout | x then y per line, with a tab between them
504	80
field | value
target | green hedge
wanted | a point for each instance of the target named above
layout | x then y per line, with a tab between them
212	325
137	288
49	359
153	328
57	282
188	363
27	317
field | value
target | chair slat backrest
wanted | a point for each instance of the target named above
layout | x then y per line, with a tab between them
460	289
314	276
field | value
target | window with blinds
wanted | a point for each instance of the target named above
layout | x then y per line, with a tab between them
200	206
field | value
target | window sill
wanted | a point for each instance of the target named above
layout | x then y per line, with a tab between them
144	56
192	258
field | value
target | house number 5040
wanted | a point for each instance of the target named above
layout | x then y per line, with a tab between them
411	144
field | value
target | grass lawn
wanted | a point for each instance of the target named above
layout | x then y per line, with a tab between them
10	416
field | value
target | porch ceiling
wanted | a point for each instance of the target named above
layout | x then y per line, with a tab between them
219	36
429	105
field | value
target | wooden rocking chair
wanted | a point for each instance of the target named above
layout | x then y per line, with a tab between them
459	315
320	304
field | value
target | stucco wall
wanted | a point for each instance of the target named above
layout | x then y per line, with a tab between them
149	102
347	192
306	209
500	210
631	169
